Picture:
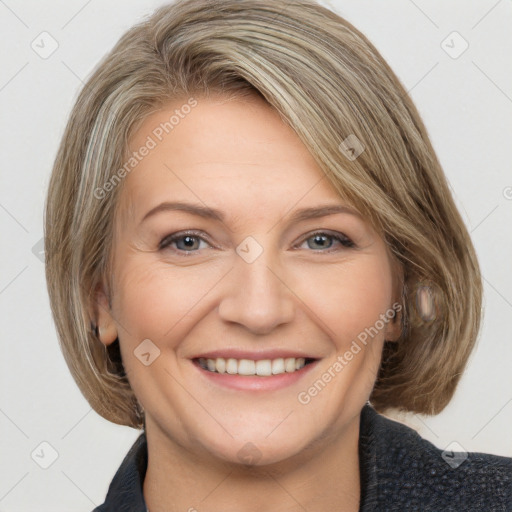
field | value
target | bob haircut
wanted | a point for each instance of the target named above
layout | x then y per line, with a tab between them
327	82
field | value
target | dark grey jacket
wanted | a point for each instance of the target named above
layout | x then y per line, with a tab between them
400	471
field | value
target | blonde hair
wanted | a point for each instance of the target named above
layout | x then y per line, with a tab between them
329	83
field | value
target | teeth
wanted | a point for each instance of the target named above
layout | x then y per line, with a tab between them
220	365
263	367
246	367
289	364
231	365
278	366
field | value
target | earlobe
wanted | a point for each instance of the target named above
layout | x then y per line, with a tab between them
104	323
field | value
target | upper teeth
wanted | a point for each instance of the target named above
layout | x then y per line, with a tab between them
263	367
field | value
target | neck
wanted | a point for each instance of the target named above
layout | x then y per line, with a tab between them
325	478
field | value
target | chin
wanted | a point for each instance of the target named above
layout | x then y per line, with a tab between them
260	449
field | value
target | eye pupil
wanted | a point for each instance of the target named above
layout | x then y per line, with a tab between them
320	240
187	241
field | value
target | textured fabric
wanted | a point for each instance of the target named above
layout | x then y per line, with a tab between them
400	471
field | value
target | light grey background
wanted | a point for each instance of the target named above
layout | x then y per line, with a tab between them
466	105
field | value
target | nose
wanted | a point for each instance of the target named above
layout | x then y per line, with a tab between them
257	296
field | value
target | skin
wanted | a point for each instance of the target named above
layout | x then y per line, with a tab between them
299	293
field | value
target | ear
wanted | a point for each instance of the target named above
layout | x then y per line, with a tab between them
102	315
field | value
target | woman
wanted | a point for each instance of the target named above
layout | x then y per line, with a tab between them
251	251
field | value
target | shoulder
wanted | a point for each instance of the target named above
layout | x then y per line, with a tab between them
413	474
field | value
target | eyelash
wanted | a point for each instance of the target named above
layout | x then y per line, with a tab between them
346	242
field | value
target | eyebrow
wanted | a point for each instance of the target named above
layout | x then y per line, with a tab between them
215	214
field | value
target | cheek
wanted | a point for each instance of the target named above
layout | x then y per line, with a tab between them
352	299
156	302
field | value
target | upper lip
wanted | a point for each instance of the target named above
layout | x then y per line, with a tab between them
255	355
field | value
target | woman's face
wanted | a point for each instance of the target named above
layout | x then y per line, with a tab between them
243	277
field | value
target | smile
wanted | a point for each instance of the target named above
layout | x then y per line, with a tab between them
248	367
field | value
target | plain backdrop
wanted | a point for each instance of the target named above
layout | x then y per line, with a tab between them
465	98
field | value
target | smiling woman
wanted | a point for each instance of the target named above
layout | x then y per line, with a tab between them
281	261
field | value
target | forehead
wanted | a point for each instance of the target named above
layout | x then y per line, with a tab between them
225	153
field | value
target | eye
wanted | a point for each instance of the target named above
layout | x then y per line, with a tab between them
186	241
324	240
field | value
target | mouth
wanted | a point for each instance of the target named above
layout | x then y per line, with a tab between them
267	373
251	367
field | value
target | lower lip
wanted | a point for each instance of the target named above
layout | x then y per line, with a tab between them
256	383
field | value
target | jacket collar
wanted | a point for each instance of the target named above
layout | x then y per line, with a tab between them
125	491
